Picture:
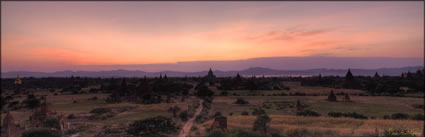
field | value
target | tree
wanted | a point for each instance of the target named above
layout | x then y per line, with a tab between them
41	132
32	102
347	97
224	93
261	123
241	101
244	133
52	123
153	127
308	113
183	115
398	133
258	112
216	133
124	88
174	110
399	116
2	103
204	91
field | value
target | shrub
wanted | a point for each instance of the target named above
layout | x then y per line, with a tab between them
244	133
194	128
387	117
349	114
302	132
241	101
200	119
275	135
418	106
8	98
12	104
93	98
204	91
258	111
218	114
308	113
399	116
31	102
299	94
31	96
71	116
71	131
418	116
398	133
41	132
3	102
216	133
174	110
224	93
261	123
100	110
297	132
94	90
52	123
183	115
152	127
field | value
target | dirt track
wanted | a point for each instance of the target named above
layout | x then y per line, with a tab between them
186	129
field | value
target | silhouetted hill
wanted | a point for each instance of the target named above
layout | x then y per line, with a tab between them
259	71
276	63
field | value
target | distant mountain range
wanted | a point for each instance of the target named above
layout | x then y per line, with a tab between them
258	71
276	63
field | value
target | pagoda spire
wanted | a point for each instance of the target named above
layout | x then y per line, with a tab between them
376	75
349	75
210	74
18	81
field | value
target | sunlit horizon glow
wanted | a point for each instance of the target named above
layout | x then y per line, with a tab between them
53	35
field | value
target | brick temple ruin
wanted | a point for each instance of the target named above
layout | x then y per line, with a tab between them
219	123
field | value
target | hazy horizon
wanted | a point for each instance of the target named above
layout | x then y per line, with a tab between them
278	63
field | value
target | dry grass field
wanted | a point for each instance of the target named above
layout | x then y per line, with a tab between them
376	106
323	126
65	104
280	109
286	123
295	88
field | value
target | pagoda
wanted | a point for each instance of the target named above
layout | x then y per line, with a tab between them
18	83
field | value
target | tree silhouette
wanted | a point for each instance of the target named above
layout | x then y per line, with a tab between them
153	127
261	123
347	97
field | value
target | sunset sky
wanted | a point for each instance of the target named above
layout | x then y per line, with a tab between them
50	36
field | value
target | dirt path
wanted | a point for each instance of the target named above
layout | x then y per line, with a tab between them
189	123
